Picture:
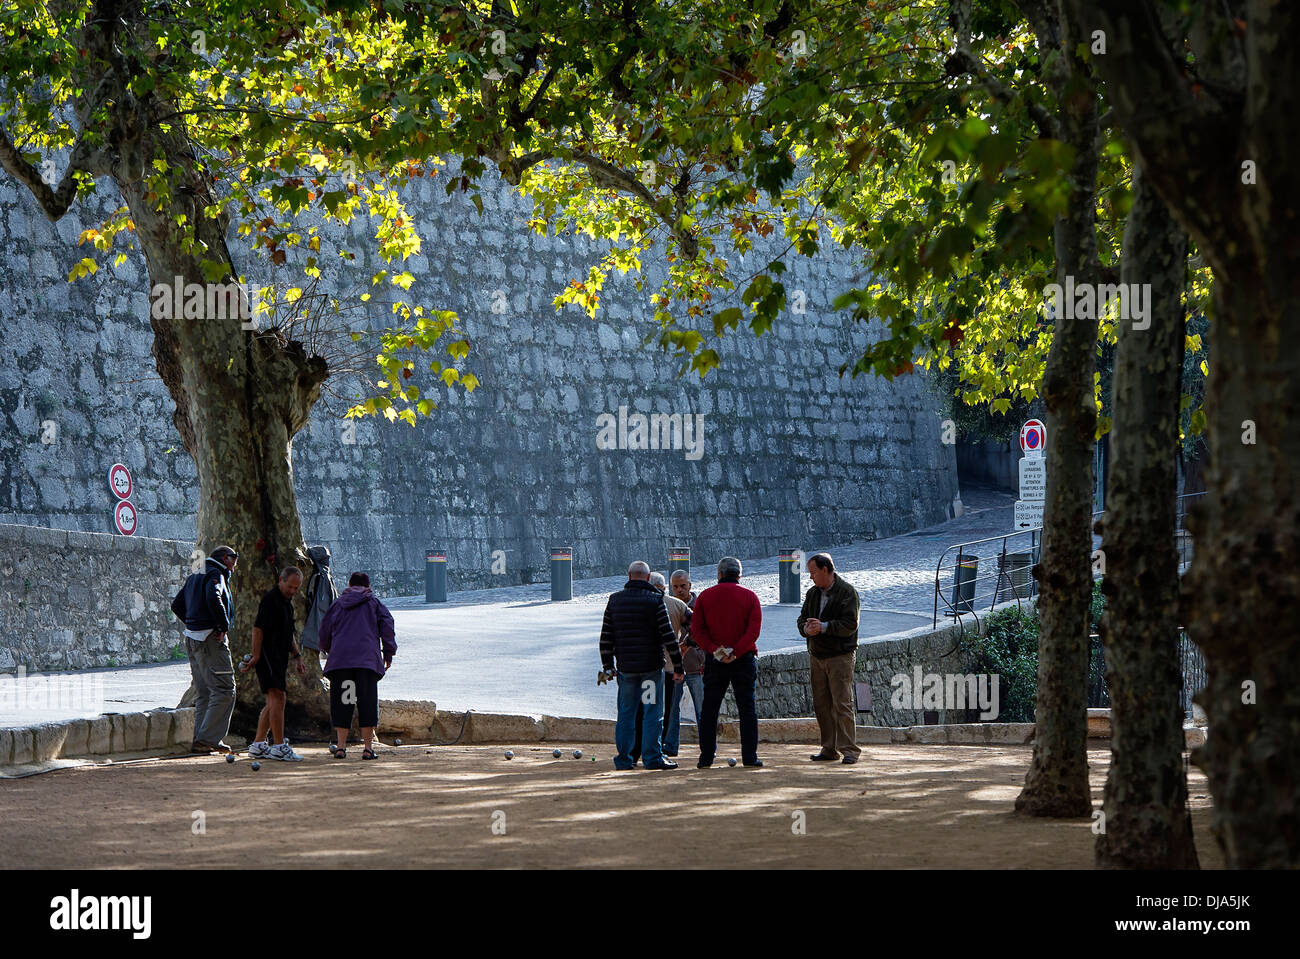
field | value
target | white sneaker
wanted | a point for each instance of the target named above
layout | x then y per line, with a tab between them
283	752
259	750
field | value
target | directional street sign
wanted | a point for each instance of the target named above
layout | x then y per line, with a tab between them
1029	514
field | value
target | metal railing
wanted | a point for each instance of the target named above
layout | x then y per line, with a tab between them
1098	691
990	574
972	586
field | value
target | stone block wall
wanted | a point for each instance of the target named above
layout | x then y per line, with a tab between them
793	452
71	600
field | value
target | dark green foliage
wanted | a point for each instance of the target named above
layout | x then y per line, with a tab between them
1009	649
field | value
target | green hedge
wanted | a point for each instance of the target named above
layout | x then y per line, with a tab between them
1009	649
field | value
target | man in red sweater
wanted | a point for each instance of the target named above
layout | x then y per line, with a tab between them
726	624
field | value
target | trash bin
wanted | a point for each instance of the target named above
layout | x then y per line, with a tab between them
1015	581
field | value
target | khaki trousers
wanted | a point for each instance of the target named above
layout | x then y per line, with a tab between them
832	690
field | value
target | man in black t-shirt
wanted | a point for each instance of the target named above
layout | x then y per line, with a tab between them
273	647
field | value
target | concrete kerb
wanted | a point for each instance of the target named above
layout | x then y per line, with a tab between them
158	732
166	731
413	720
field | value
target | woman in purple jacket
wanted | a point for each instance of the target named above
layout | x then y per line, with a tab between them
357	637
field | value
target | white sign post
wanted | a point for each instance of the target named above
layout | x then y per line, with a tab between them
1033	476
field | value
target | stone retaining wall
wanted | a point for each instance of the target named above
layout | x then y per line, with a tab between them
71	600
792	452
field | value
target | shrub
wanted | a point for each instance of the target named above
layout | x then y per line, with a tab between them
1009	648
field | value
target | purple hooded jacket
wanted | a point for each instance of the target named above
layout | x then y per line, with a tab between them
352	630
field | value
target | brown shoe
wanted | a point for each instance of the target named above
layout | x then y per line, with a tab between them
201	749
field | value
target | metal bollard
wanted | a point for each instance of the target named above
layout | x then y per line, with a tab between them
435	576
679	557
788	574
561	573
963	583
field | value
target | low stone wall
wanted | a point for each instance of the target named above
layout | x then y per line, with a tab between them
71	600
784	690
157	732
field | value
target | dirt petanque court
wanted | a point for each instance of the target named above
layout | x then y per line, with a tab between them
903	806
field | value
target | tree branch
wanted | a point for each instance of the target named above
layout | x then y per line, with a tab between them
56	201
963	61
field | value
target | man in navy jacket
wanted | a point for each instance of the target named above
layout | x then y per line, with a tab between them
635	632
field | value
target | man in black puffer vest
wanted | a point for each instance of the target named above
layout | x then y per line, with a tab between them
635	633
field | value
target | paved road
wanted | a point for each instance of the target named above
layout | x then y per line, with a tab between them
512	650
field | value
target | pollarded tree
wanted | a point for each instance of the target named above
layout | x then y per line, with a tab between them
214	119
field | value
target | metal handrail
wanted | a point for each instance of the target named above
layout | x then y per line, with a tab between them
1035	545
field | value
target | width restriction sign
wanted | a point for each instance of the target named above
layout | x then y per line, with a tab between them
119	481
124	518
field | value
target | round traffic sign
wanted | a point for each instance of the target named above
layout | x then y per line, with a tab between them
125	518
119	481
1033	436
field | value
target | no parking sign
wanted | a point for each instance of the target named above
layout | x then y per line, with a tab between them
1033	437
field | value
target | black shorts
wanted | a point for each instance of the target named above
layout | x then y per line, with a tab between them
272	671
354	688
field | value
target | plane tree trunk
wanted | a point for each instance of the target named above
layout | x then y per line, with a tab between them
1147	825
241	394
1218	146
1057	781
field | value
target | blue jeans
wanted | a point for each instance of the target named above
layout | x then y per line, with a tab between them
631	690
673	721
